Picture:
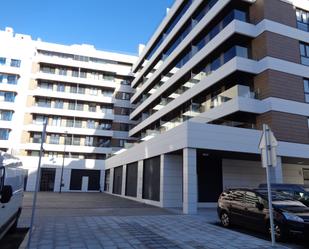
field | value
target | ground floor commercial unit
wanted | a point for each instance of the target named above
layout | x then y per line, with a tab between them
190	165
79	175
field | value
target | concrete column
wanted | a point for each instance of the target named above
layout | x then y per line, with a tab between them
189	181
140	165
171	181
111	180
124	178
102	180
276	172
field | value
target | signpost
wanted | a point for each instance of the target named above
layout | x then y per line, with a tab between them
268	145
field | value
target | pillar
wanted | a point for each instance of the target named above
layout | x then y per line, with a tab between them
124	179
189	181
140	169
111	180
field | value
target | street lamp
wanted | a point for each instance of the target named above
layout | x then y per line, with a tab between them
62	167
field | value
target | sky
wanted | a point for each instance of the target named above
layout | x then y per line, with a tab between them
112	25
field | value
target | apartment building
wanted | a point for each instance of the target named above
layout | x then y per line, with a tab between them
210	76
83	93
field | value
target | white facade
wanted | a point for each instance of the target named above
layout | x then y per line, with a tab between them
83	92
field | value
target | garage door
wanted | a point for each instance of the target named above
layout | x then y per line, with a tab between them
90	178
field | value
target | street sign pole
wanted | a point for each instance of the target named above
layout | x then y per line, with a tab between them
37	183
268	146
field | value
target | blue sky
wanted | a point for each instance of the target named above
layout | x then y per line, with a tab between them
114	25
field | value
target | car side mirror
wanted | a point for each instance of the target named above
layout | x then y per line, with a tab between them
259	206
6	194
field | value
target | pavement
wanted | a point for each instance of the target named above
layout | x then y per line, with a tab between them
99	220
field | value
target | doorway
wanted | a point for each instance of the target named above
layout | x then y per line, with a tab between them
47	182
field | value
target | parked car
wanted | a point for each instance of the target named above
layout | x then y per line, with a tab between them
11	192
296	191
249	208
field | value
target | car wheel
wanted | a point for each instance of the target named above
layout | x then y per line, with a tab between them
280	235
225	219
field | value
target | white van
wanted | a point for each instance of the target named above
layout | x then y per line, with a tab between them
11	192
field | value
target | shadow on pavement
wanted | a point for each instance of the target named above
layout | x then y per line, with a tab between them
295	242
13	240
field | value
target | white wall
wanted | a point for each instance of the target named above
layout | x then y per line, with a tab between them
31	163
171	181
240	173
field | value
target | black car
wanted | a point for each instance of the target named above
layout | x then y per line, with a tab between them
296	191
247	207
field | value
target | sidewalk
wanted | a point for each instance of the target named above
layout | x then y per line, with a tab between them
136	231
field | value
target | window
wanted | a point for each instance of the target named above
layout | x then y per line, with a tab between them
105	126
46	85
76	140
108	77
93	91
73	89
62	71
4	134
69	123
68	140
304	53
56	121
6	115
58	104
79	106
75	73
71	105
39	120
60	87
45	69
12	79
302	17
83	74
123	95
44	103
15	63
121	142
92	108
78	124
7	96
36	138
306	89
107	93
125	82
2	61
54	139
124	127
89	141
90	124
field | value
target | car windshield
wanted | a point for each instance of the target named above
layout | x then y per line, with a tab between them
276	196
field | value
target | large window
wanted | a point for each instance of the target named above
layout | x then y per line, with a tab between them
304	53
302	17
306	89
